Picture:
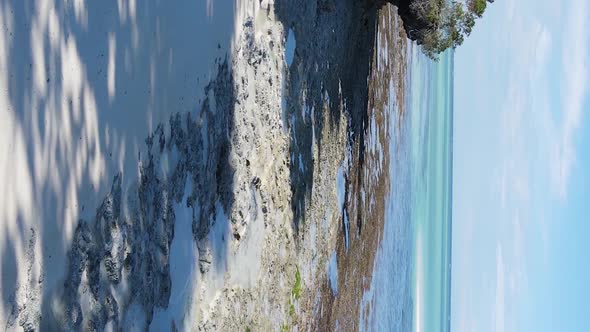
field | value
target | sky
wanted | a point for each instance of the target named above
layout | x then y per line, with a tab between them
521	190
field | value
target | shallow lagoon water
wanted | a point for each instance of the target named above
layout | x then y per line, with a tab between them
410	289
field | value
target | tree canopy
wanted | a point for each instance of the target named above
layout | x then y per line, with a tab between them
445	24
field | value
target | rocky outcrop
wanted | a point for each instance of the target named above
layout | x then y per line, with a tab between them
413	25
233	152
133	246
260	155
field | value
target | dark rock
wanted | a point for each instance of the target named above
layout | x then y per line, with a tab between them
412	24
256	182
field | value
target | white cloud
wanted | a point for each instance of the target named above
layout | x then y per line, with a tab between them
499	311
530	43
574	71
530	132
525	99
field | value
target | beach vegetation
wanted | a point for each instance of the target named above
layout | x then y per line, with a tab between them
295	296
296	291
477	7
441	24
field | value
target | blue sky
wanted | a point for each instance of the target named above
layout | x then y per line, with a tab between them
521	197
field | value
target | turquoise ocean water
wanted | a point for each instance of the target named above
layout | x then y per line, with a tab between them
410	289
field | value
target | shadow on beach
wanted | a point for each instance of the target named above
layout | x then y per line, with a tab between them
335	45
110	109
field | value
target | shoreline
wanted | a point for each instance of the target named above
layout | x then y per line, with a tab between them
368	182
281	175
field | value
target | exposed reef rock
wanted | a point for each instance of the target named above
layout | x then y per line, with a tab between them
268	173
413	25
232	152
134	247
